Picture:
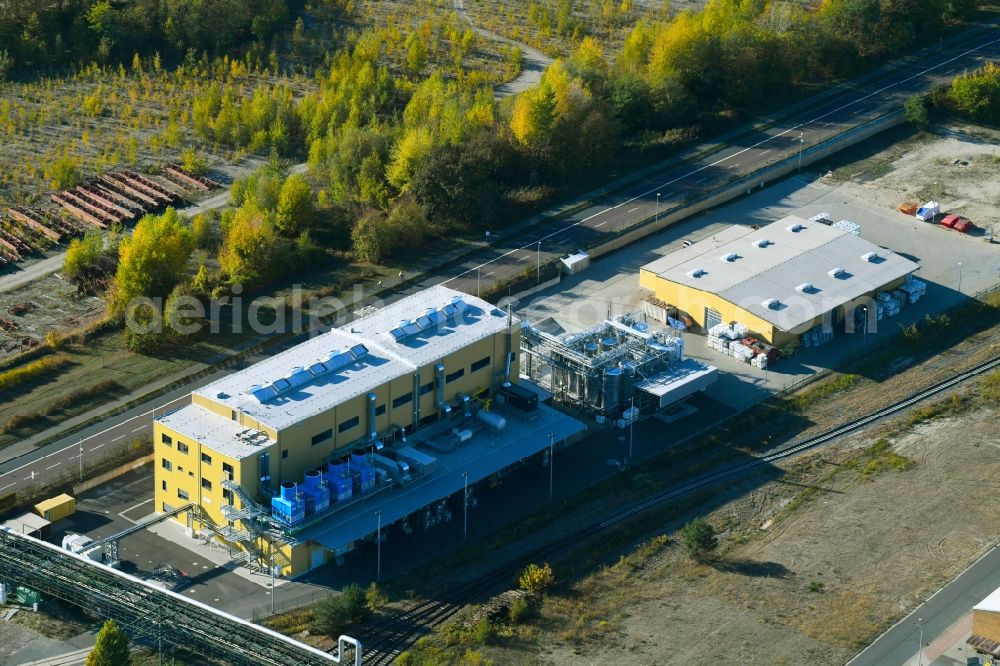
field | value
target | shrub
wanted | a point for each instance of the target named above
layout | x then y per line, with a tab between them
521	610
34	370
375	598
536	579
483	632
338	611
815	586
699	538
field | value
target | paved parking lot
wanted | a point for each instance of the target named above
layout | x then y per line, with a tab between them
611	284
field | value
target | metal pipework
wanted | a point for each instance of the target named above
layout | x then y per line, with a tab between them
466	406
442	405
506	372
372	430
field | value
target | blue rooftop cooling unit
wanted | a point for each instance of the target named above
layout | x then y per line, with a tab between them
338	482
316	495
289	507
363	473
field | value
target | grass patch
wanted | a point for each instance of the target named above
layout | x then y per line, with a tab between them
879	458
43	367
809	397
74	400
290	623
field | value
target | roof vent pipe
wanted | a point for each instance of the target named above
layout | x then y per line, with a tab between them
442	405
372	430
506	372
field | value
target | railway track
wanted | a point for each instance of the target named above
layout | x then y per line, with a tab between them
390	637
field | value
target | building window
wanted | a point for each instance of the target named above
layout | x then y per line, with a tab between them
167	508
227	495
233	414
167	465
182	494
348	424
480	364
426	388
320	438
227	469
166	439
380	410
163	484
284	454
207	459
402	400
182	447
449	378
206	484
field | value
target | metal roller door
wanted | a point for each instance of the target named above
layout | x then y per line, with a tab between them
712	318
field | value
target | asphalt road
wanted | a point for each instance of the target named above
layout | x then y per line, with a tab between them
870	97
938	613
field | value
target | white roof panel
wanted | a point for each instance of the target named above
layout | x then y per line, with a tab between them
344	363
990	603
762	272
224	435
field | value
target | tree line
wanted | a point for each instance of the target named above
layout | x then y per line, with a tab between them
54	34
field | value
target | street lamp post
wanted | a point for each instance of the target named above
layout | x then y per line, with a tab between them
81	458
272	577
656	219
801	141
960	277
538	263
920	645
378	548
552	463
479	270
465	508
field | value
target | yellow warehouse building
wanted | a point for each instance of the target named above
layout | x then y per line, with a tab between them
387	375
780	280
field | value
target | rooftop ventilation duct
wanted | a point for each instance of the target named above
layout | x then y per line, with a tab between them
836	272
805	288
795	228
732	256
871	257
696	273
761	242
771	304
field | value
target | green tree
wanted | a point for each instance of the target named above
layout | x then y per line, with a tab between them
295	207
111	648
915	111
977	93
340	611
699	538
85	258
250	250
153	259
370	237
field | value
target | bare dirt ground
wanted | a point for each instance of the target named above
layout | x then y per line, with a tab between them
956	164
803	576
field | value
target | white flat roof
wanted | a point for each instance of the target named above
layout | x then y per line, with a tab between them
771	262
437	336
344	363
224	435
990	603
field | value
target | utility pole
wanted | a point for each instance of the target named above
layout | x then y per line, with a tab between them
465	508
271	551
864	324
538	263
81	458
801	141
378	548
552	463
657	215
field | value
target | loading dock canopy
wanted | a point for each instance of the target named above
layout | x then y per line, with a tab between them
680	381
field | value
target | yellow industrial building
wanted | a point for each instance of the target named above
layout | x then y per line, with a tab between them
385	376
780	280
